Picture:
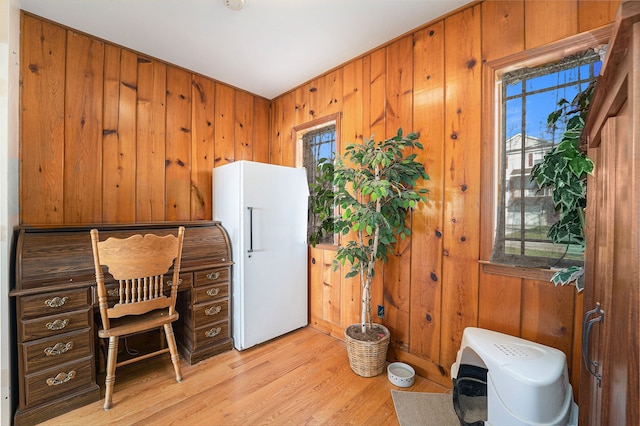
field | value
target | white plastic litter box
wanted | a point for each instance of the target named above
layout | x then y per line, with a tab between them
526	383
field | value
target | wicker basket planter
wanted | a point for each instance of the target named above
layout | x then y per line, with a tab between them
367	359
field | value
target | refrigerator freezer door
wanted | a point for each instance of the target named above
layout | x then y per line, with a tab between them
270	251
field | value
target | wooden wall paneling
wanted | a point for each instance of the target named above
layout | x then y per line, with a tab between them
244	126
377	103
83	129
399	86
502	28
366	99
351	125
150	147
352	104
377	94
499	303
426	222
316	98
331	290
547	314
119	135
549	21
275	142
288	139
461	179
42	89
178	148
499	296
325	292
351	298
302	105
333	93
399	114
224	125
202	146
261	111
596	13
315	291
110	144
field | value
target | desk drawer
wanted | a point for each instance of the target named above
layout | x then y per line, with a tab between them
45	304
208	294
54	324
211	312
211	333
185	281
212	276
46	353
58	381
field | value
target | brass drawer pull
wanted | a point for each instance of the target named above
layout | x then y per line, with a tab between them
213	332
56	302
213	291
114	292
58	349
61	378
213	275
170	282
214	310
57	324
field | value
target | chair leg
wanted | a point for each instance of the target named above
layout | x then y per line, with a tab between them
112	358
173	349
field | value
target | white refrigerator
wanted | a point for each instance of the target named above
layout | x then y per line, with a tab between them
263	208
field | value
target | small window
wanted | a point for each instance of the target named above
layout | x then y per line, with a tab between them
526	213
317	143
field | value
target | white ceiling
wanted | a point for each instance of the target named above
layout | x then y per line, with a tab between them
267	48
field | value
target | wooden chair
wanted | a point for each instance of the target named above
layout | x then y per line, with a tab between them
138	264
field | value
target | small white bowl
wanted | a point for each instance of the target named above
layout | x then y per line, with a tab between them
401	374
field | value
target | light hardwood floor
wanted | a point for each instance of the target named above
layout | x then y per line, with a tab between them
302	378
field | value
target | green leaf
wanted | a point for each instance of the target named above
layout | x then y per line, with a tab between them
568	276
581	165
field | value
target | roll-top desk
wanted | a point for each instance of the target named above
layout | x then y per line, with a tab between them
55	295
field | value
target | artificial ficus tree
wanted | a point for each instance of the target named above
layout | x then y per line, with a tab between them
374	188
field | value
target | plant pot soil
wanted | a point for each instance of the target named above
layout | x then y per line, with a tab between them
373	334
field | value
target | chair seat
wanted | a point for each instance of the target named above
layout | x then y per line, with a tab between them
136	323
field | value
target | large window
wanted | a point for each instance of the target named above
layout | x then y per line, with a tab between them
526	213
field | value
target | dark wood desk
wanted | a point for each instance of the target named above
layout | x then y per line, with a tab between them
54	293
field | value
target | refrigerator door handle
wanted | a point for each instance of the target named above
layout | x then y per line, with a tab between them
250	229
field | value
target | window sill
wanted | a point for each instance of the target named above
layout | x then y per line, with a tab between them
537	274
325	246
